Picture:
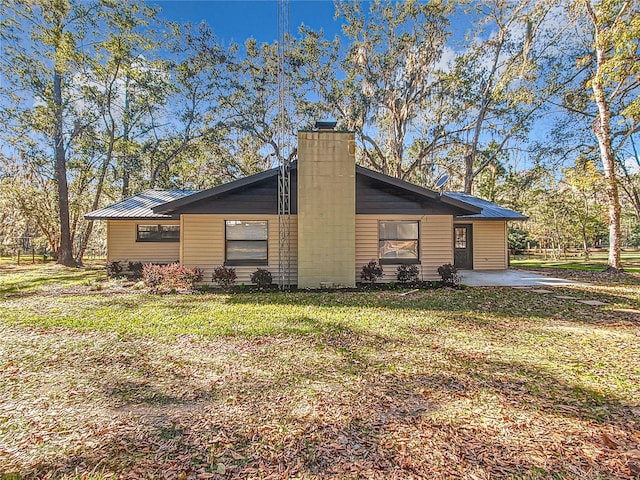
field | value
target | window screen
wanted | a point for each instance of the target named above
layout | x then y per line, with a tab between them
246	242
398	241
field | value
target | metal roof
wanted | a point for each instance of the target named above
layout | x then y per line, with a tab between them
490	210
139	206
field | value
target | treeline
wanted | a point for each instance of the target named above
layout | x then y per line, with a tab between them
536	108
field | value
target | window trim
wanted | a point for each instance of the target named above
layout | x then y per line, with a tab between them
160	239
400	261
249	261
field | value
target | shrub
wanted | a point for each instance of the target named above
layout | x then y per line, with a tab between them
449	275
152	275
262	278
114	269
225	277
135	268
371	272
407	273
170	277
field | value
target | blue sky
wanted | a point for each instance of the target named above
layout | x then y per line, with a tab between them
238	20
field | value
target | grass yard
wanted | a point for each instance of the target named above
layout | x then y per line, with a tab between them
100	381
575	261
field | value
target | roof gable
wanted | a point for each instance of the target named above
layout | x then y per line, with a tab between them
226	188
375	193
380	194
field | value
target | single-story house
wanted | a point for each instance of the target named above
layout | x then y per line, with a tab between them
341	217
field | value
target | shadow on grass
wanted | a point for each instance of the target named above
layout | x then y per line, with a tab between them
375	426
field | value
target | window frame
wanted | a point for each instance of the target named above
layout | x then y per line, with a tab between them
248	261
159	238
400	261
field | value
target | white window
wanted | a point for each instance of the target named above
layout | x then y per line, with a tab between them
246	242
157	233
398	241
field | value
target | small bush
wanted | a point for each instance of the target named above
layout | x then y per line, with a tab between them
135	269
262	278
225	277
114	269
407	274
152	275
449	275
371	272
170	277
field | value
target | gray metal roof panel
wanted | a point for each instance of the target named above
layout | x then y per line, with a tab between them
139	206
490	210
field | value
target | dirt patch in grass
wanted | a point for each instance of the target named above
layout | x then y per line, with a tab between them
476	383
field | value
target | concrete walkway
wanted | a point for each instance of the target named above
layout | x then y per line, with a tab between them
510	278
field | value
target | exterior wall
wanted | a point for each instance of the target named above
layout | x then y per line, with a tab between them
326	209
203	244
490	245
122	245
436	243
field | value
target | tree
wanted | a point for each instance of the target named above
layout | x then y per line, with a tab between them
40	57
612	35
388	66
189	124
582	199
501	82
251	105
122	86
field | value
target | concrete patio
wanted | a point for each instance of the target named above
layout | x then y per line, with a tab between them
511	278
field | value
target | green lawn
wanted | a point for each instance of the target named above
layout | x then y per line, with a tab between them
98	380
575	261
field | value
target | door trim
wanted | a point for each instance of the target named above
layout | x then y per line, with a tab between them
469	227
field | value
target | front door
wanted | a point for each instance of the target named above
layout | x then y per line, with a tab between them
463	247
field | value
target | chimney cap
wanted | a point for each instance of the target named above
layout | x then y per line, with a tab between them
322	125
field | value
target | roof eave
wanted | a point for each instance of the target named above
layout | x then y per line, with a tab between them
488	219
90	217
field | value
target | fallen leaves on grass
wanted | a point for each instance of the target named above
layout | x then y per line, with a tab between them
319	386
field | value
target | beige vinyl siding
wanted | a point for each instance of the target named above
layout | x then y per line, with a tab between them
203	244
489	245
436	243
122	245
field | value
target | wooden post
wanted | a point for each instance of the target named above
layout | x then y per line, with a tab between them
33	256
18	256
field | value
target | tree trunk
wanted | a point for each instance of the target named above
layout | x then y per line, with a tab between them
468	173
65	253
585	244
602	130
95	204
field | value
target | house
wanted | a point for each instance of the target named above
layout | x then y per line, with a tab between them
342	216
